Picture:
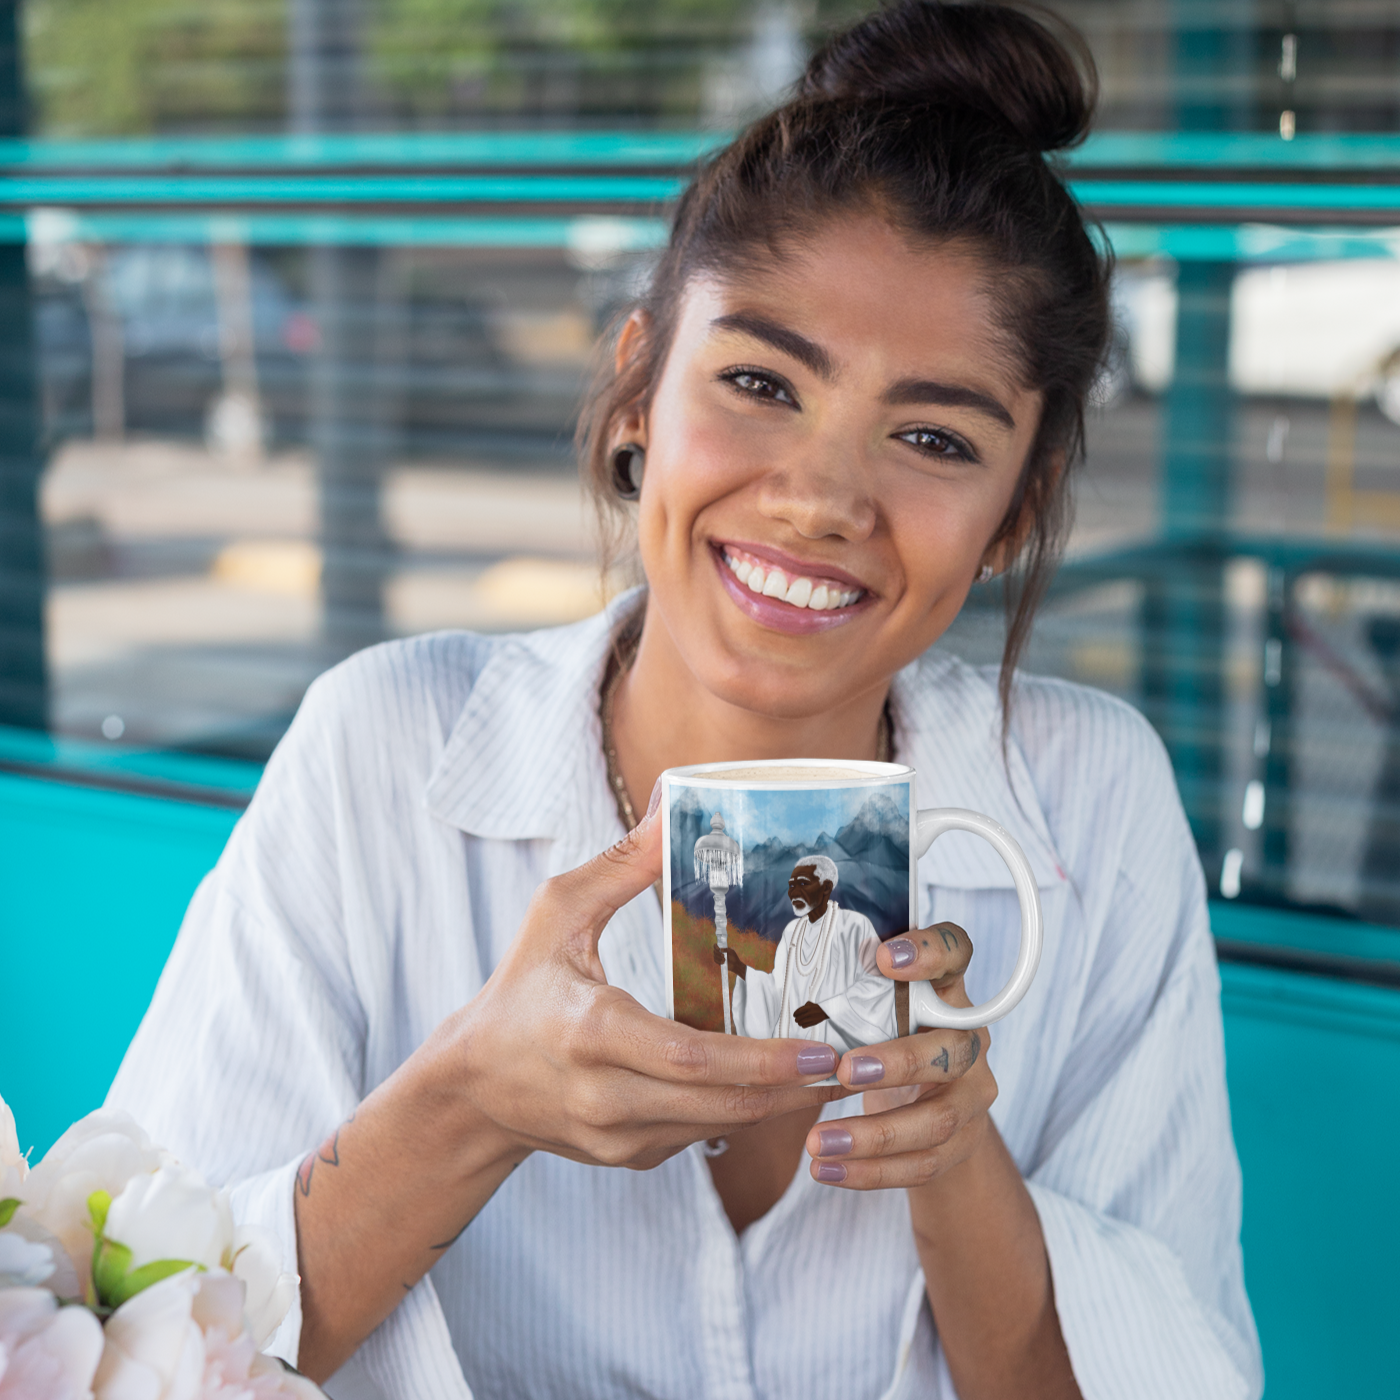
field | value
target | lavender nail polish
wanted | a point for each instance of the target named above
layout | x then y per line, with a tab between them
834	1141
902	951
816	1059
831	1171
866	1069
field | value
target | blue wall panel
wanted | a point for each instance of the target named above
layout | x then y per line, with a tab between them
95	884
1314	1072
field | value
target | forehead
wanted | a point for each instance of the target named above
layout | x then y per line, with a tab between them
805	869
882	303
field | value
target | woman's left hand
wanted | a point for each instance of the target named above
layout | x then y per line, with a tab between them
927	1095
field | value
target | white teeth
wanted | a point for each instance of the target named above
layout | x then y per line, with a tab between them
800	592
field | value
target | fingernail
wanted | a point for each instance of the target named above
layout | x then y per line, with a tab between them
866	1069
656	802
834	1143
902	951
831	1171
816	1059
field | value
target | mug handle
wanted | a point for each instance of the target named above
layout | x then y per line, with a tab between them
926	1007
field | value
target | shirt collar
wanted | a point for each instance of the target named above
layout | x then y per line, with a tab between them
524	759
948	728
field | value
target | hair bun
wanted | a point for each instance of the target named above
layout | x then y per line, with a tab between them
1005	63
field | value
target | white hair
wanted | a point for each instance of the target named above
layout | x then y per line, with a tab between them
823	865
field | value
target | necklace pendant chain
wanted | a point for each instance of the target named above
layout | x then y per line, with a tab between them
624	654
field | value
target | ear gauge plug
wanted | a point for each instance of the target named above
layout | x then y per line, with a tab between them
628	463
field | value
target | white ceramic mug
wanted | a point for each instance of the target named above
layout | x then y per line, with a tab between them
790	872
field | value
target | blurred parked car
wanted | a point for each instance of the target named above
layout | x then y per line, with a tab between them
1305	330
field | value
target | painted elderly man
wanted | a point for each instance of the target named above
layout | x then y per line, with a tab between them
824	984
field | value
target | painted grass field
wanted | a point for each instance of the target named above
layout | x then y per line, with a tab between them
698	1000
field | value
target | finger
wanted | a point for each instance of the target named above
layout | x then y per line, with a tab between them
886	1173
928	1057
939	954
928	1123
584	899
617	1118
614	1029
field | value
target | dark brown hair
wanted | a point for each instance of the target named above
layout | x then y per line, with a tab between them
940	116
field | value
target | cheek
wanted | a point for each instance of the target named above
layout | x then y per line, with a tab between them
696	457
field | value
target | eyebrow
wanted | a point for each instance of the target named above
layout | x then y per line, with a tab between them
917	391
905	391
804	351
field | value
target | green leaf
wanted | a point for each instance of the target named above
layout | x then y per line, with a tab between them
115	1281
8	1207
147	1274
98	1204
111	1262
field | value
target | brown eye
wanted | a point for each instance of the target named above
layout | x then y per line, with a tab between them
934	442
759	385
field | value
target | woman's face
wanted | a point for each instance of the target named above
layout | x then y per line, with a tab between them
831	447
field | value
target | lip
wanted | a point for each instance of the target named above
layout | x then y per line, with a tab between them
780	616
791	565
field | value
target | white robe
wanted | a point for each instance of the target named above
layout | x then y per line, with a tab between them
830	962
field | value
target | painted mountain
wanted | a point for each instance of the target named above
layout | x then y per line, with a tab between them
870	848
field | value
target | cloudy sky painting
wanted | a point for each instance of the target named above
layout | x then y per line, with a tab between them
865	830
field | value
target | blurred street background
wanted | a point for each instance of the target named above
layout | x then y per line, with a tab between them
307	291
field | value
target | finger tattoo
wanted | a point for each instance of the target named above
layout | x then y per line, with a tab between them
940	1060
950	939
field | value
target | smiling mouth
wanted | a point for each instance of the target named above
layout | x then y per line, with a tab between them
766	580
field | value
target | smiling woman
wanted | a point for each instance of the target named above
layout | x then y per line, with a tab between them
855	384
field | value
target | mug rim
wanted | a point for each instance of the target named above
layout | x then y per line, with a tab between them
875	773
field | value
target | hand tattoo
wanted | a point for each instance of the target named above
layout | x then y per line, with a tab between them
940	1060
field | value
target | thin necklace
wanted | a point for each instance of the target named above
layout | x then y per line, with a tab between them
624	654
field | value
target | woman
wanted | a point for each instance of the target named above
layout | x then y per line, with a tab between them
855	386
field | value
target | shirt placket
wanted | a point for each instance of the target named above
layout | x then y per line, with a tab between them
725	1334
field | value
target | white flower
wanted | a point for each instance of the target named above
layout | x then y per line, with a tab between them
257	1261
14	1166
23	1263
172	1213
46	1352
184	1339
101	1152
155	1350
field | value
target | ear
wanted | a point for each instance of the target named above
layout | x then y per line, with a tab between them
632	342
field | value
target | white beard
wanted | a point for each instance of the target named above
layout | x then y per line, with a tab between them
799	906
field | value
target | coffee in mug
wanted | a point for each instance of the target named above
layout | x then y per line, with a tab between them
781	878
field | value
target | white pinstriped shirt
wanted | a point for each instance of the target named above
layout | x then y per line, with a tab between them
424	790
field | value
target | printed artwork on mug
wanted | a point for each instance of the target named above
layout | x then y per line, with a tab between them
778	900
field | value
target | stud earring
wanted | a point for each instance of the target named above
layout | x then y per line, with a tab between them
628	463
985	573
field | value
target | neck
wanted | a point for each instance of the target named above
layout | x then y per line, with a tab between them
663	717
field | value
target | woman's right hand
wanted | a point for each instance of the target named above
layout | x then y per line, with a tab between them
547	1056
556	1059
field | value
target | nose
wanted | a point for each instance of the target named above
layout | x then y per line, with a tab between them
825	492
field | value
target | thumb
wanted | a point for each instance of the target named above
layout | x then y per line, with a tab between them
597	889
